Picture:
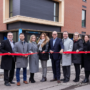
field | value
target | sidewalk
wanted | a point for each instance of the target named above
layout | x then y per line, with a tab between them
48	85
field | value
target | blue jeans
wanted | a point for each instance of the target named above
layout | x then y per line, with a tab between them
24	74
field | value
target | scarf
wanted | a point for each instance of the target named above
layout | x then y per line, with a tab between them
40	43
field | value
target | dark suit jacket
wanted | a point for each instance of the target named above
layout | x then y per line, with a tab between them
7	62
56	48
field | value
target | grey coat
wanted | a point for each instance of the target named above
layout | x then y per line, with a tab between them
21	61
33	59
68	46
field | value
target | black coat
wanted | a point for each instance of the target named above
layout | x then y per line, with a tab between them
86	57
44	56
8	62
56	48
77	45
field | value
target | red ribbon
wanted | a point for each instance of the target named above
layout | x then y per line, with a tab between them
20	54
16	54
74	52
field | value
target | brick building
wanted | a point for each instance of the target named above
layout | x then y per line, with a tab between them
74	13
37	16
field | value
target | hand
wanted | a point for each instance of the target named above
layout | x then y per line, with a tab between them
51	51
43	52
85	52
31	53
77	51
26	55
65	53
61	51
9	53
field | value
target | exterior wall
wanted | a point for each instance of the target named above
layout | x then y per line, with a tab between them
16	7
15	25
42	9
2	26
32	26
73	16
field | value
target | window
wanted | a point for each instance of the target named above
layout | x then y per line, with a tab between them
10	8
56	11
84	0
15	38
83	18
84	6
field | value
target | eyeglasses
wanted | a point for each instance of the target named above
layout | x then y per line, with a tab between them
75	35
10	35
54	34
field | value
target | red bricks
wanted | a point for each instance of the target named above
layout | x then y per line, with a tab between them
2	25
73	16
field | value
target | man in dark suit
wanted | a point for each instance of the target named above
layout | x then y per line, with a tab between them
56	45
8	62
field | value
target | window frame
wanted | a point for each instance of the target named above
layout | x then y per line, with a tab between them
85	19
10	12
84	1
56	14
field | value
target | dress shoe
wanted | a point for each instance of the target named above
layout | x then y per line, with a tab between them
62	79
18	83
65	81
58	81
32	81
12	82
85	81
7	84
76	80
53	80
25	82
43	79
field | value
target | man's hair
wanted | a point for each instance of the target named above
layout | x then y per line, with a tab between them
21	34
54	31
9	33
66	32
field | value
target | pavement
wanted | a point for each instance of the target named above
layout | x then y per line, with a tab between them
46	85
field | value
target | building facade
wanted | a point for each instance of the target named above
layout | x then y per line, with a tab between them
77	16
37	16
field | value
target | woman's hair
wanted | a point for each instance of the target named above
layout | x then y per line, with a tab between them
77	34
45	35
32	37
86	35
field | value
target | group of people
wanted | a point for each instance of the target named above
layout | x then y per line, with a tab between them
41	49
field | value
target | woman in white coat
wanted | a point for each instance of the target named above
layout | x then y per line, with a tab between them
66	58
